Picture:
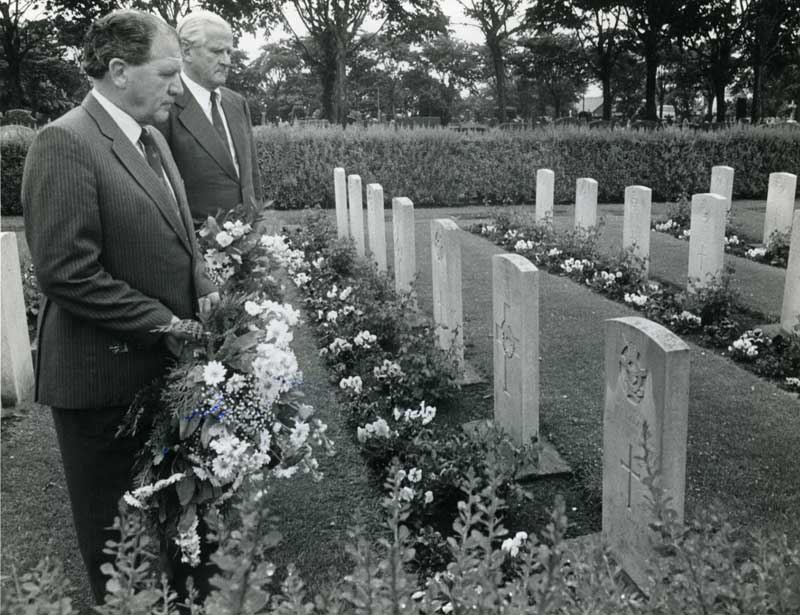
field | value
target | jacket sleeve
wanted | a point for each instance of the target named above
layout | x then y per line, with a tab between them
254	152
64	231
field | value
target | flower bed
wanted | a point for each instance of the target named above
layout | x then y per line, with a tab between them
775	252
709	316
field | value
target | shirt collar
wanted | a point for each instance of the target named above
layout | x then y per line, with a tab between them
201	94
129	126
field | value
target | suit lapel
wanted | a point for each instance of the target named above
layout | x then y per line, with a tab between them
235	125
137	166
195	121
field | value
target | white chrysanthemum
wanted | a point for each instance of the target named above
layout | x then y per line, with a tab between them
214	373
253	308
224	239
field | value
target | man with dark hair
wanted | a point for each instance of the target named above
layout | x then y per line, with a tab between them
209	129
111	237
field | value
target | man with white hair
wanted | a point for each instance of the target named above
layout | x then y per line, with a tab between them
209	129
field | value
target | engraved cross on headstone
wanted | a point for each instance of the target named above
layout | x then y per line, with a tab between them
631	473
505	335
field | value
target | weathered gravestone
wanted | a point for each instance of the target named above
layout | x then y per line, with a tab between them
780	204
722	184
647	384
375	226
585	203
356	207
17	367
515	309
405	260
636	223
340	194
545	186
706	240
446	282
790	311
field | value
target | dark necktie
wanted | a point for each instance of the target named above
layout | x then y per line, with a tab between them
216	119
154	160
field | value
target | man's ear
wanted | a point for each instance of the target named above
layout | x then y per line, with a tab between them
118	71
186	51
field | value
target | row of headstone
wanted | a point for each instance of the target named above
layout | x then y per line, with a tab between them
709	215
646	405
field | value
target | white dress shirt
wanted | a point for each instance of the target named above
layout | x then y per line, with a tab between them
130	128
203	98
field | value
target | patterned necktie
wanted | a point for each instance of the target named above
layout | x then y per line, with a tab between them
216	119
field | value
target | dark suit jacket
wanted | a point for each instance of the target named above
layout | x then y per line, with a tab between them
203	159
113	255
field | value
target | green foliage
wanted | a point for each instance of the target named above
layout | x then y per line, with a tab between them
12	154
443	167
39	591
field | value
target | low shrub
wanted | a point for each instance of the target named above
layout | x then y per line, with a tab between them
443	167
13	150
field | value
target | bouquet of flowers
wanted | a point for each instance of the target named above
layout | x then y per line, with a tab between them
229	411
234	256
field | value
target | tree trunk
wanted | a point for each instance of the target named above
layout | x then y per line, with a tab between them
755	115
340	87
500	78
719	95
651	65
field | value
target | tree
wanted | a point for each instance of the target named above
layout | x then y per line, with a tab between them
598	26
335	27
653	24
494	18
772	30
555	66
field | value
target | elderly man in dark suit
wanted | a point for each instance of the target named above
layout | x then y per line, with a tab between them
111	237
209	129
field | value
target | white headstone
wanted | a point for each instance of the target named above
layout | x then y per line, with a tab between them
636	222
722	184
545	187
706	240
340	194
585	203
515	306
446	280
791	292
780	204
647	382
375	226
405	259
17	367
356	207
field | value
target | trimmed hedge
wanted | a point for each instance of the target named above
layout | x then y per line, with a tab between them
13	150
442	167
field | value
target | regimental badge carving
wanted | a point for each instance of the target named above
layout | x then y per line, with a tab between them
507	339
632	376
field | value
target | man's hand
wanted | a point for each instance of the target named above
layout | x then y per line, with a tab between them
208	303
181	331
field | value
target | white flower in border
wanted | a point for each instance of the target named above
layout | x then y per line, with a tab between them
253	308
345	293
353	383
332	316
224	239
331	294
406	494
428	497
214	373
415	475
365	339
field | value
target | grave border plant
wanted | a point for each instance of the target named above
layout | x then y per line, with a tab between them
710	316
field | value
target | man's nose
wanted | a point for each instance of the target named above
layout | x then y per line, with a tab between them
175	86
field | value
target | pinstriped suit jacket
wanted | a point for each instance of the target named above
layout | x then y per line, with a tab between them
203	159
114	256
